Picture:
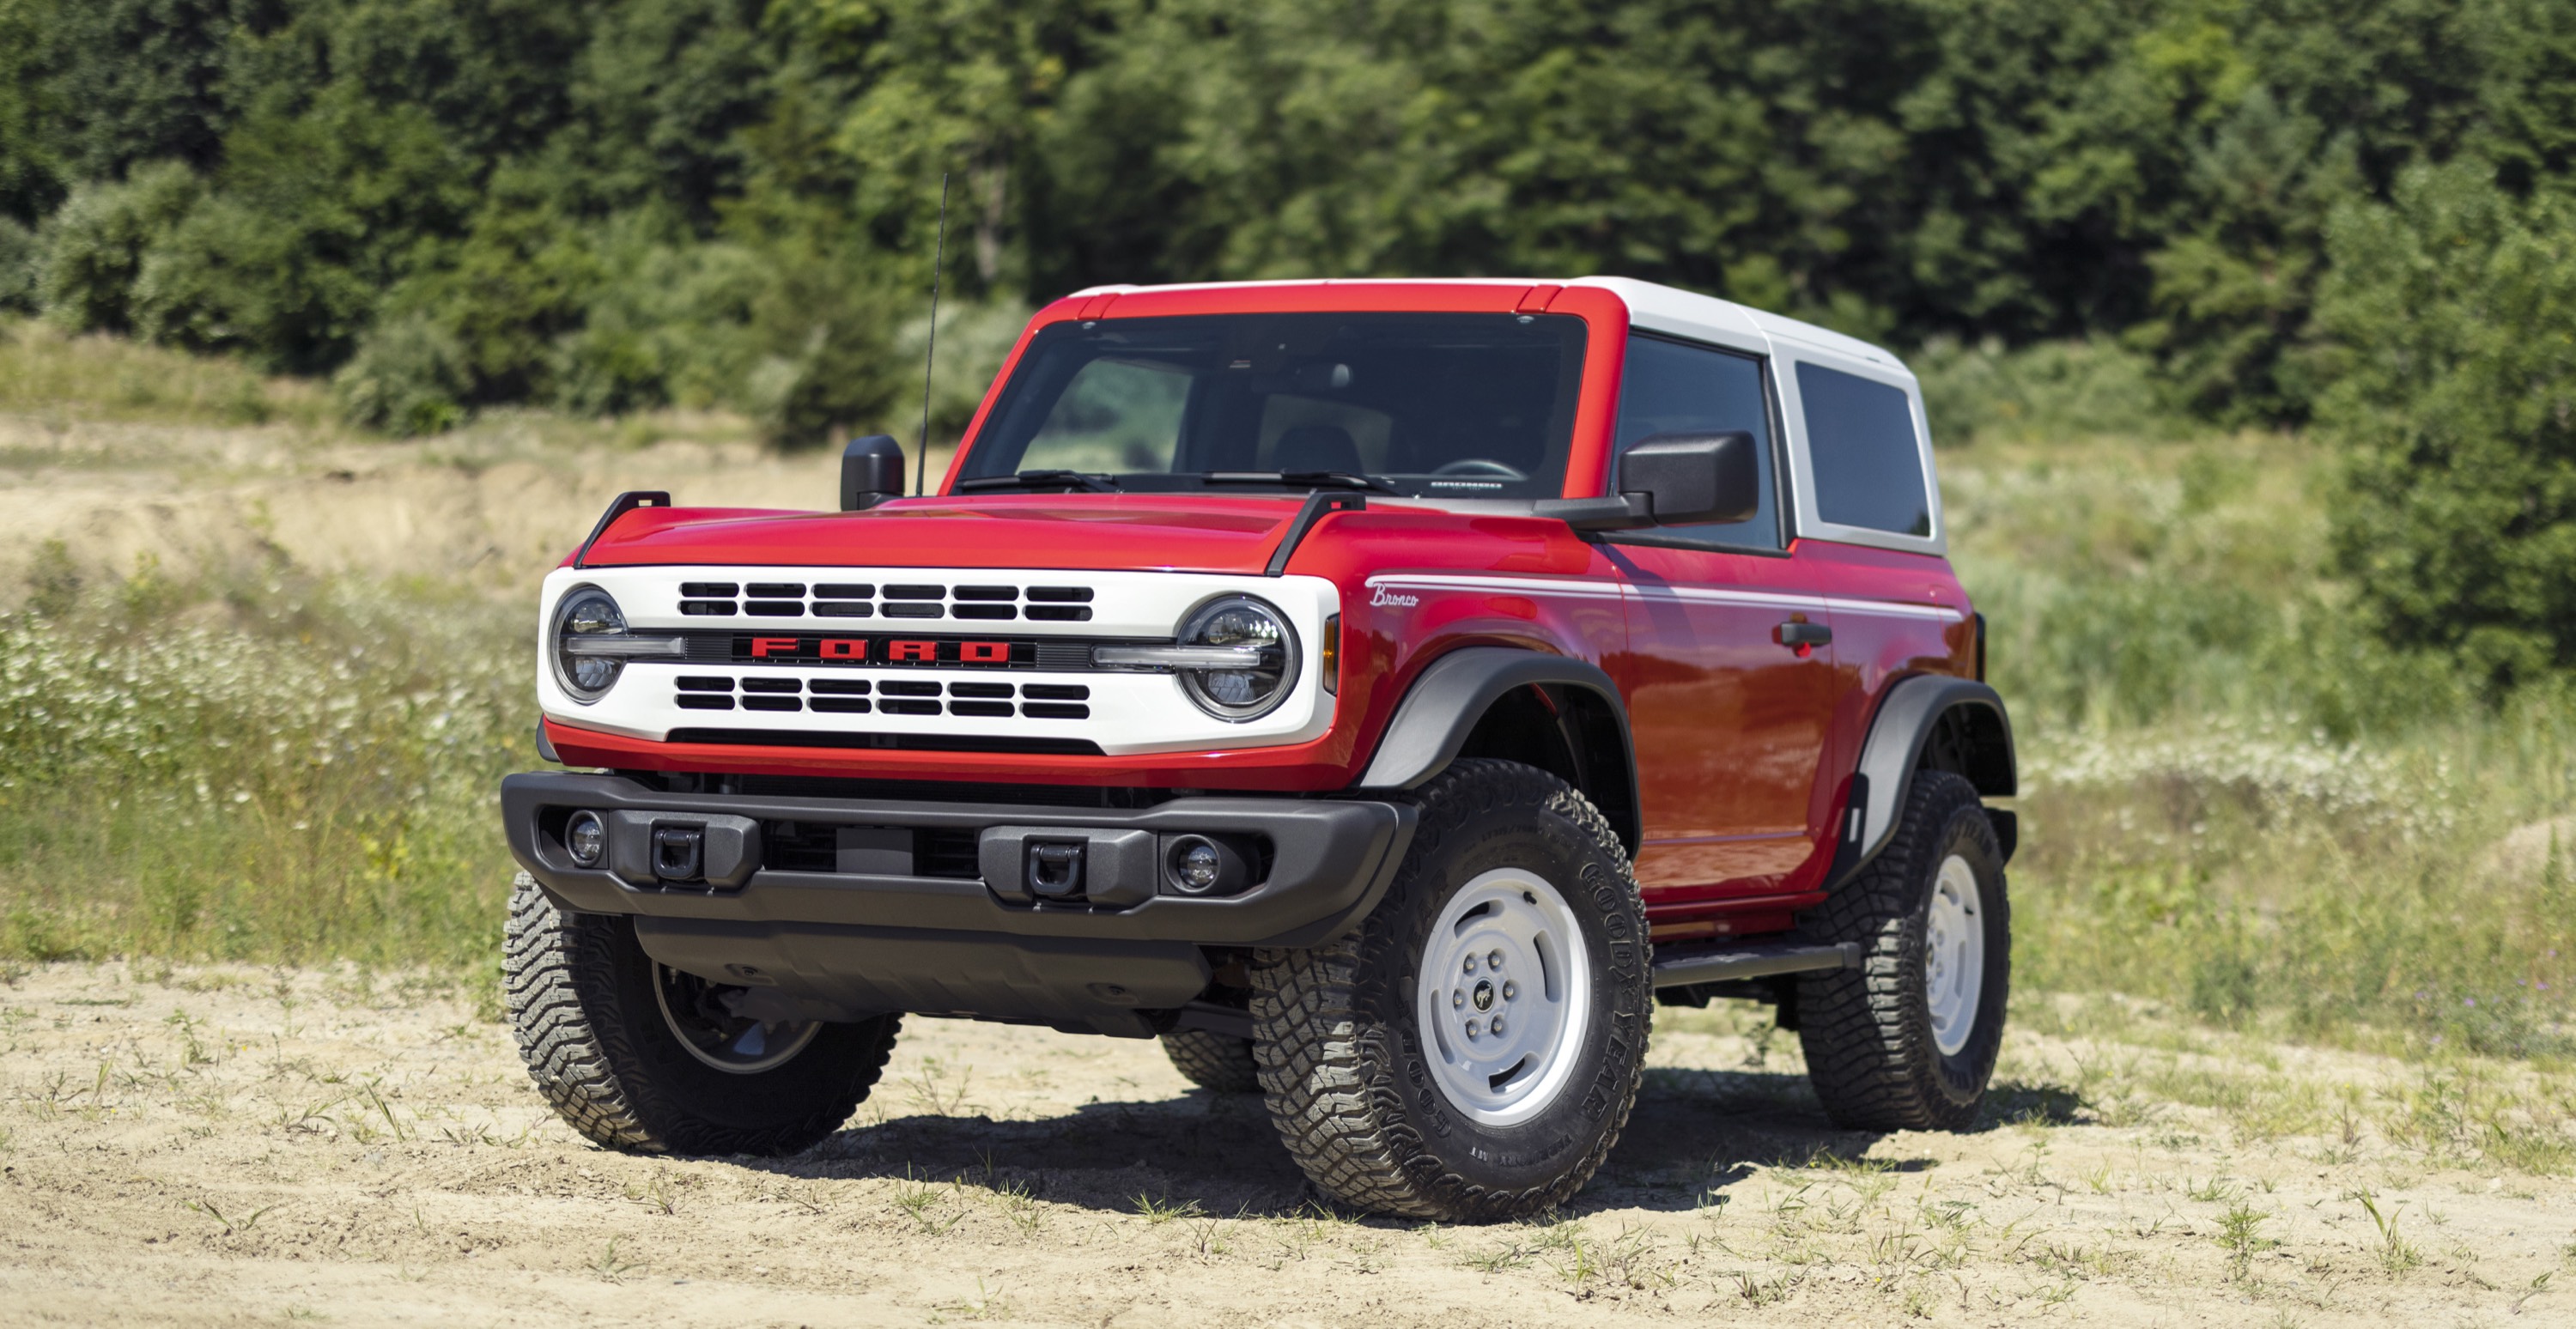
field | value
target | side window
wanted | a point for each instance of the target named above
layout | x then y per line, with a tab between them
1868	461
1673	388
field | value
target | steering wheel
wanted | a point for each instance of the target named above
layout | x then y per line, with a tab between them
1482	467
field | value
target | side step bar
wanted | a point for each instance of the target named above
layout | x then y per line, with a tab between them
1767	961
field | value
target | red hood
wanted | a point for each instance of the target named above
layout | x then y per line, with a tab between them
1174	532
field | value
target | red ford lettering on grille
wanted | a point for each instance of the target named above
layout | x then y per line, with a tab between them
764	647
924	651
984	652
845	648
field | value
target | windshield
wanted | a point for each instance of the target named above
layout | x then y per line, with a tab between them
1435	405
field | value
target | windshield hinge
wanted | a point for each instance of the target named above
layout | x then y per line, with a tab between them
1317	504
623	504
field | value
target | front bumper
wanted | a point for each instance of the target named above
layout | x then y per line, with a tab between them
855	943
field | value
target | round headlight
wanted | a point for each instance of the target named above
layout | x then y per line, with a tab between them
587	612
1242	623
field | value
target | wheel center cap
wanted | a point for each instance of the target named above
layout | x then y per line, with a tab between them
1484	994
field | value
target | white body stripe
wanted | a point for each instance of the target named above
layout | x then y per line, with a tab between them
1592	590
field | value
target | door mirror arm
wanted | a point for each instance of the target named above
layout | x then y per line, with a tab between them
1673	480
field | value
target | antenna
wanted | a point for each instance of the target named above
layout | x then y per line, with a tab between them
930	356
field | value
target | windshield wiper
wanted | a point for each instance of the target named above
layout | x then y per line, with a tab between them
1067	480
1309	479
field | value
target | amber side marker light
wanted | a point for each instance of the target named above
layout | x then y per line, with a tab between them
1329	658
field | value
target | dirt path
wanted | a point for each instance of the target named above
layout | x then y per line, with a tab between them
216	1145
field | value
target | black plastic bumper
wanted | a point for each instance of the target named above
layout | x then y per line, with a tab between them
852	943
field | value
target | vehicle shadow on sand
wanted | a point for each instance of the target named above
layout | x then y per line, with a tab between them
1694	1136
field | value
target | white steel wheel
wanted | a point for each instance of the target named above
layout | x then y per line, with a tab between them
1505	987
1954	955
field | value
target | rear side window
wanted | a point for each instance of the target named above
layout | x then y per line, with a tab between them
1673	388
1868	464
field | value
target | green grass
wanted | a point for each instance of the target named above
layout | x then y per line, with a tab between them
278	770
2236	798
46	373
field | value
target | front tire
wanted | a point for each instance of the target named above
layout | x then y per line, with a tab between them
1908	1040
641	1057
1218	1063
1472	1051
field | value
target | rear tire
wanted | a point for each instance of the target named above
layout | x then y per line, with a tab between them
1516	892
1220	1063
593	1015
1908	1040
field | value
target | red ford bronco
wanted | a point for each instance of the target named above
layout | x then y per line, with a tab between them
1383	693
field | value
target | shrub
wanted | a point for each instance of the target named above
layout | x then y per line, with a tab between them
98	240
2445	316
19	257
409	377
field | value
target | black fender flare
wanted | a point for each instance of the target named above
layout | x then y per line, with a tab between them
1453	693
1908	715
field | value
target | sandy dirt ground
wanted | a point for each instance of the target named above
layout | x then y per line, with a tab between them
233	1146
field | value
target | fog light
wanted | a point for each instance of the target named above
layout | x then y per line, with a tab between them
586	839
1197	866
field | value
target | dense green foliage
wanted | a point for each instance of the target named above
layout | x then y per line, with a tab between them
2143	216
612	203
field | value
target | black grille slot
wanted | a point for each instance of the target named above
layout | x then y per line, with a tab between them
893	706
983	611
843	609
1059	656
772	704
1060	594
776	590
791	846
721	590
842	705
1002	708
697	701
916	592
710	648
845	687
979	689
708	608
1054	710
775	608
907	687
912	611
1061	613
1056	692
770	685
843	590
945	853
986	593
695	683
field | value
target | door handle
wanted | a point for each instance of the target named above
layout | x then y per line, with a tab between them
1803	638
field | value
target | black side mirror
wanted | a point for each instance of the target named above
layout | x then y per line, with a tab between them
871	472
1674	480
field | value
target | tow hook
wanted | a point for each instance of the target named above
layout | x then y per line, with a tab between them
679	852
1055	871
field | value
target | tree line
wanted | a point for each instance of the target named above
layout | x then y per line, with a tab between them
2347	214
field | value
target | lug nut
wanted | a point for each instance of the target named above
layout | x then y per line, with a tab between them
1495	960
1498	1024
1510	989
1471	964
1472	1031
1456	999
